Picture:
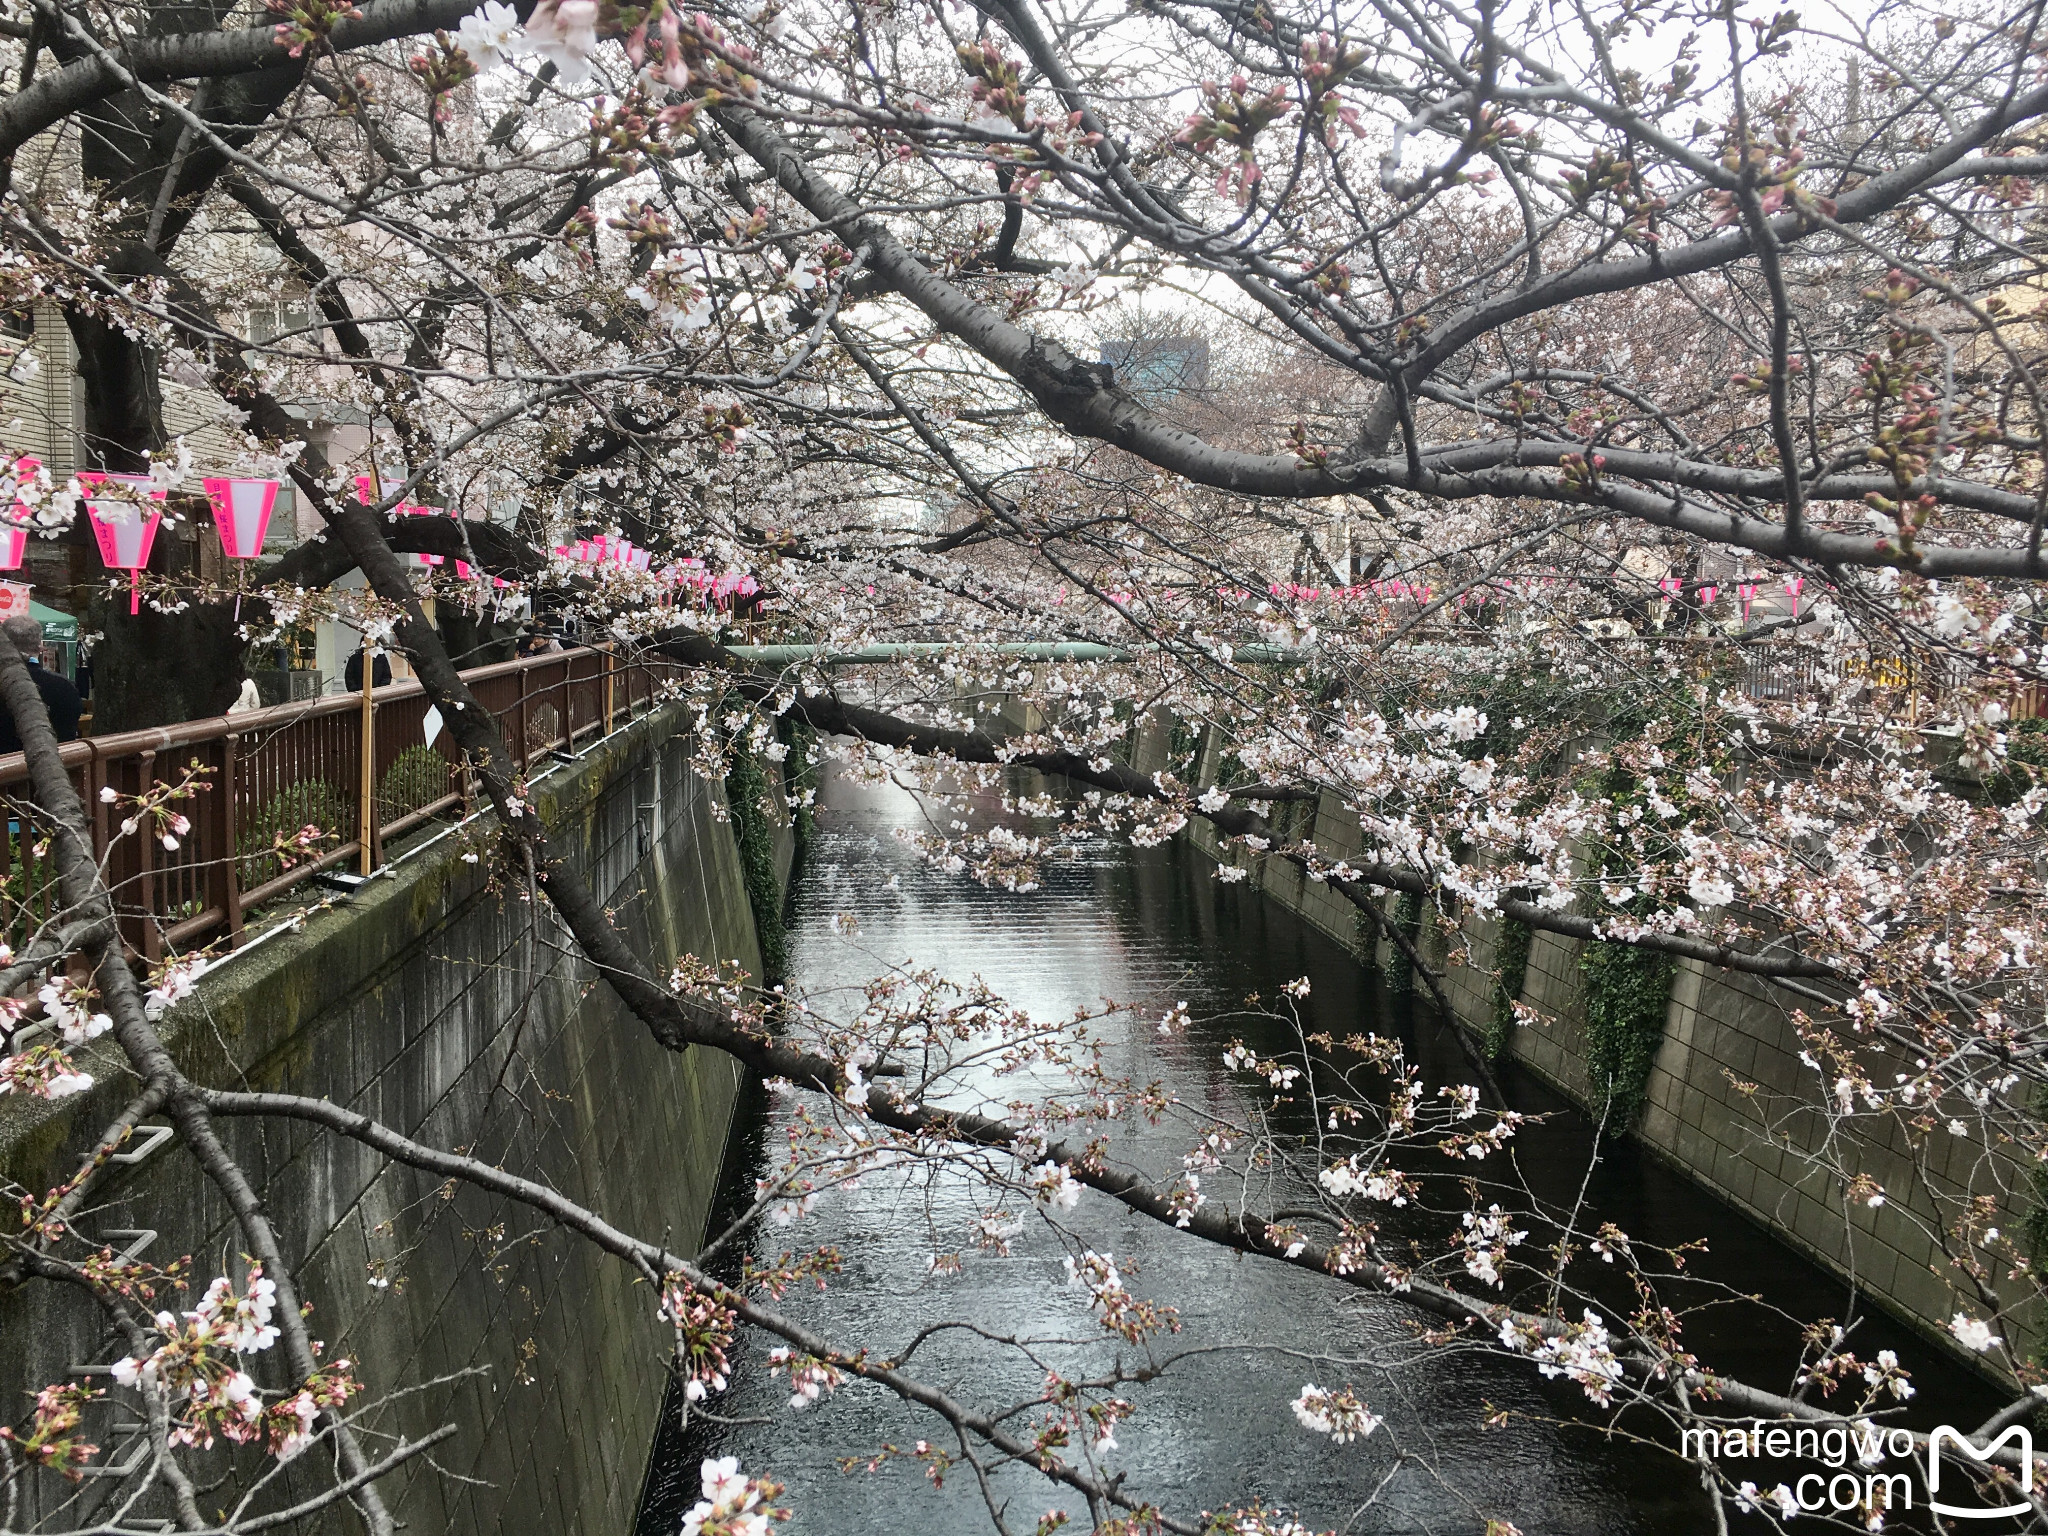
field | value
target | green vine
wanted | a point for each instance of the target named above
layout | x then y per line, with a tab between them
2034	1224
1511	960
746	797
800	782
1365	939
1627	988
1408	919
1628	994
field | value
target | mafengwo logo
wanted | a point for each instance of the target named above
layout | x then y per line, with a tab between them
1866	1464
2024	1445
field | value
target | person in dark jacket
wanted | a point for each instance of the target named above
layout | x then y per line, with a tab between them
59	697
538	642
352	674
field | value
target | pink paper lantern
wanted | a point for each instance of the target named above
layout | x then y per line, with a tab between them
124	533
241	510
414	509
463	571
14	522
366	492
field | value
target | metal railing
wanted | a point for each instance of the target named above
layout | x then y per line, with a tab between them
267	774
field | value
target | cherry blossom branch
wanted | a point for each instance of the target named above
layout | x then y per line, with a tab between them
84	893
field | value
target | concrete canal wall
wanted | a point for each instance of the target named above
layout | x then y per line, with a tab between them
1728	1103
446	1005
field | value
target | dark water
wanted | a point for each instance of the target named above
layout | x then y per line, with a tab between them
1154	926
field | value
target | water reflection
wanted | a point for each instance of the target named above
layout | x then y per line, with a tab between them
1153	925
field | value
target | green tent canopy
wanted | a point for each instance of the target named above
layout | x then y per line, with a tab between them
60	638
58	628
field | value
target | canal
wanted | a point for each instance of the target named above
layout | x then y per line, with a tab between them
1154	927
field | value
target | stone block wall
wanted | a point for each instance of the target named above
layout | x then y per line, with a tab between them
447	1006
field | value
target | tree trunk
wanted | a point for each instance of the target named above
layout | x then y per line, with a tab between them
155	668
151	668
161	668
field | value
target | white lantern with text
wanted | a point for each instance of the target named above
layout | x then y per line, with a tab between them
123	524
15	520
241	510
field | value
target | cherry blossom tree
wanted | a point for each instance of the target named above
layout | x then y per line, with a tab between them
1597	454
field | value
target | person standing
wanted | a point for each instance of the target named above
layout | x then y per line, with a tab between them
352	674
60	698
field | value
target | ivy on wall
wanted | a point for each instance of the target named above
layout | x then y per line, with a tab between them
1127	716
800	782
1365	939
1408	919
2034	1220
1627	995
1627	989
746	793
1511	961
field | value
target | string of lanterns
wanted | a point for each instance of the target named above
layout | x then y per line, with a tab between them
125	523
126	511
606	549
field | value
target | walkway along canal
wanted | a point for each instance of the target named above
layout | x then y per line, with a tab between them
1154	927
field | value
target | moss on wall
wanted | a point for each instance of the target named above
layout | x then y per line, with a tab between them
1407	918
1628	995
1511	965
746	797
799	783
